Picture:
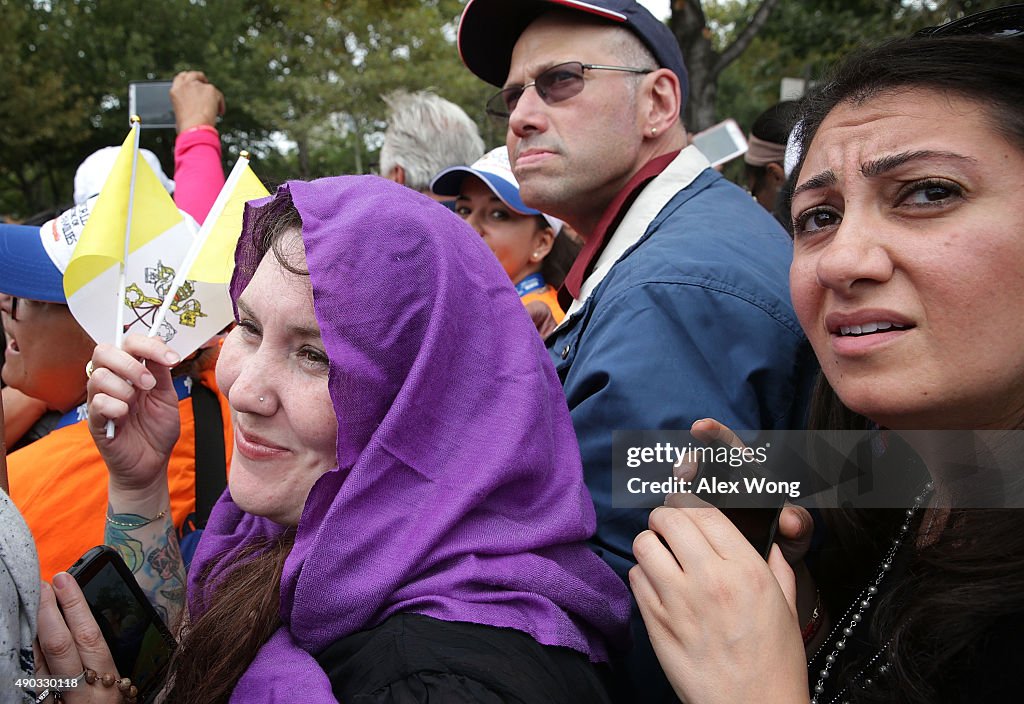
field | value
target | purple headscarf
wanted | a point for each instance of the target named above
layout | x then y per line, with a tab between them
459	492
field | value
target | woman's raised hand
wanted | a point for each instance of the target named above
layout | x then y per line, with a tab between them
722	621
133	388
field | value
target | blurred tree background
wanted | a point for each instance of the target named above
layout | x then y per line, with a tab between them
303	78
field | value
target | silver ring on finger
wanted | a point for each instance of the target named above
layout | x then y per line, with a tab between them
65	683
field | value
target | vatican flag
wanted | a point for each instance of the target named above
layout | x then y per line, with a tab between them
208	266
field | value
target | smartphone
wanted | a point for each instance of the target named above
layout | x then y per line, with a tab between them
755	515
151	101
722	142
139	640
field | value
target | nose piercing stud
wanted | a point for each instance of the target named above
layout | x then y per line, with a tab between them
261	399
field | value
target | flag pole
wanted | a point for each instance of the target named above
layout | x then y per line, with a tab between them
122	285
181	275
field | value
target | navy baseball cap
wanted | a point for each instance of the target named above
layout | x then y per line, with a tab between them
489	30
26	270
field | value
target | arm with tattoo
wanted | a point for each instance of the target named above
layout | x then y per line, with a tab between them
148	542
132	388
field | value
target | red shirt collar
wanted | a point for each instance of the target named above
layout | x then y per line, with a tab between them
611	218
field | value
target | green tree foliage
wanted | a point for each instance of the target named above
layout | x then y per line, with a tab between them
803	39
307	73
303	78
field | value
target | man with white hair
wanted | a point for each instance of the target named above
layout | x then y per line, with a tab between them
426	134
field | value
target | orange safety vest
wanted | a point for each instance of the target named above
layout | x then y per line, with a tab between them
550	298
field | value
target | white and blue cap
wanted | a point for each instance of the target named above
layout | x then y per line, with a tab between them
492	168
33	259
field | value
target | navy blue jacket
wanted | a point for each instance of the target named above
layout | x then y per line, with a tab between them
693	321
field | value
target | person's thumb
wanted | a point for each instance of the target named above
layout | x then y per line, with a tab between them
783	575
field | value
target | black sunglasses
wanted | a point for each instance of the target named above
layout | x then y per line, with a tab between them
14	308
554	85
1000	22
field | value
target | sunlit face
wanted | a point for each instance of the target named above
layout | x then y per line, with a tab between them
47	351
575	155
908	266
518	241
273	370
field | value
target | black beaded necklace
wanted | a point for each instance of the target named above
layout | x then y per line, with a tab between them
854	615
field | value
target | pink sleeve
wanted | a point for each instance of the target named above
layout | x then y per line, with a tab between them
198	174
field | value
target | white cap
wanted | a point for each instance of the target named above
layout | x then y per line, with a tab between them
93	172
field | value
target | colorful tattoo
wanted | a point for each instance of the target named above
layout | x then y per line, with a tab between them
150	549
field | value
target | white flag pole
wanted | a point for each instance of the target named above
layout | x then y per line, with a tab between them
123	279
181	275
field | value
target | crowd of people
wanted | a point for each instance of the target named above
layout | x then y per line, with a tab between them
393	477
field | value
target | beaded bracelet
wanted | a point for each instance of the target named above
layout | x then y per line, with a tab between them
129	692
814	625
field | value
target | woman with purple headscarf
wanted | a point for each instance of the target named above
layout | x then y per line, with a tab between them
405	513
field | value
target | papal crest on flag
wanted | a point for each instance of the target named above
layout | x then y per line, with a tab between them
159	239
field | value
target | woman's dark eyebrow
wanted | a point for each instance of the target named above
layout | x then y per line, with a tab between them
878	167
242	308
822	180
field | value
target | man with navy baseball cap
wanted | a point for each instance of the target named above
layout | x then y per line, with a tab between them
678	305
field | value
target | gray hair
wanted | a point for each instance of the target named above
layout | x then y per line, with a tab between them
426	134
627	48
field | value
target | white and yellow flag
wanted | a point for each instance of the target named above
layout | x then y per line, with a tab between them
208	266
219	234
158	240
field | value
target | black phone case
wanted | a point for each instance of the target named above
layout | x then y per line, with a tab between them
757	520
89	566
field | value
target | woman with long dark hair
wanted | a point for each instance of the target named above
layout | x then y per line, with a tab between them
405	513
908	278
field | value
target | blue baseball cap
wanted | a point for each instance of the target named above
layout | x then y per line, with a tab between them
26	270
494	170
489	30
33	259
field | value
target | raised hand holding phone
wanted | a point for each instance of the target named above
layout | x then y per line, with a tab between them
791	528
196	101
139	641
722	620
